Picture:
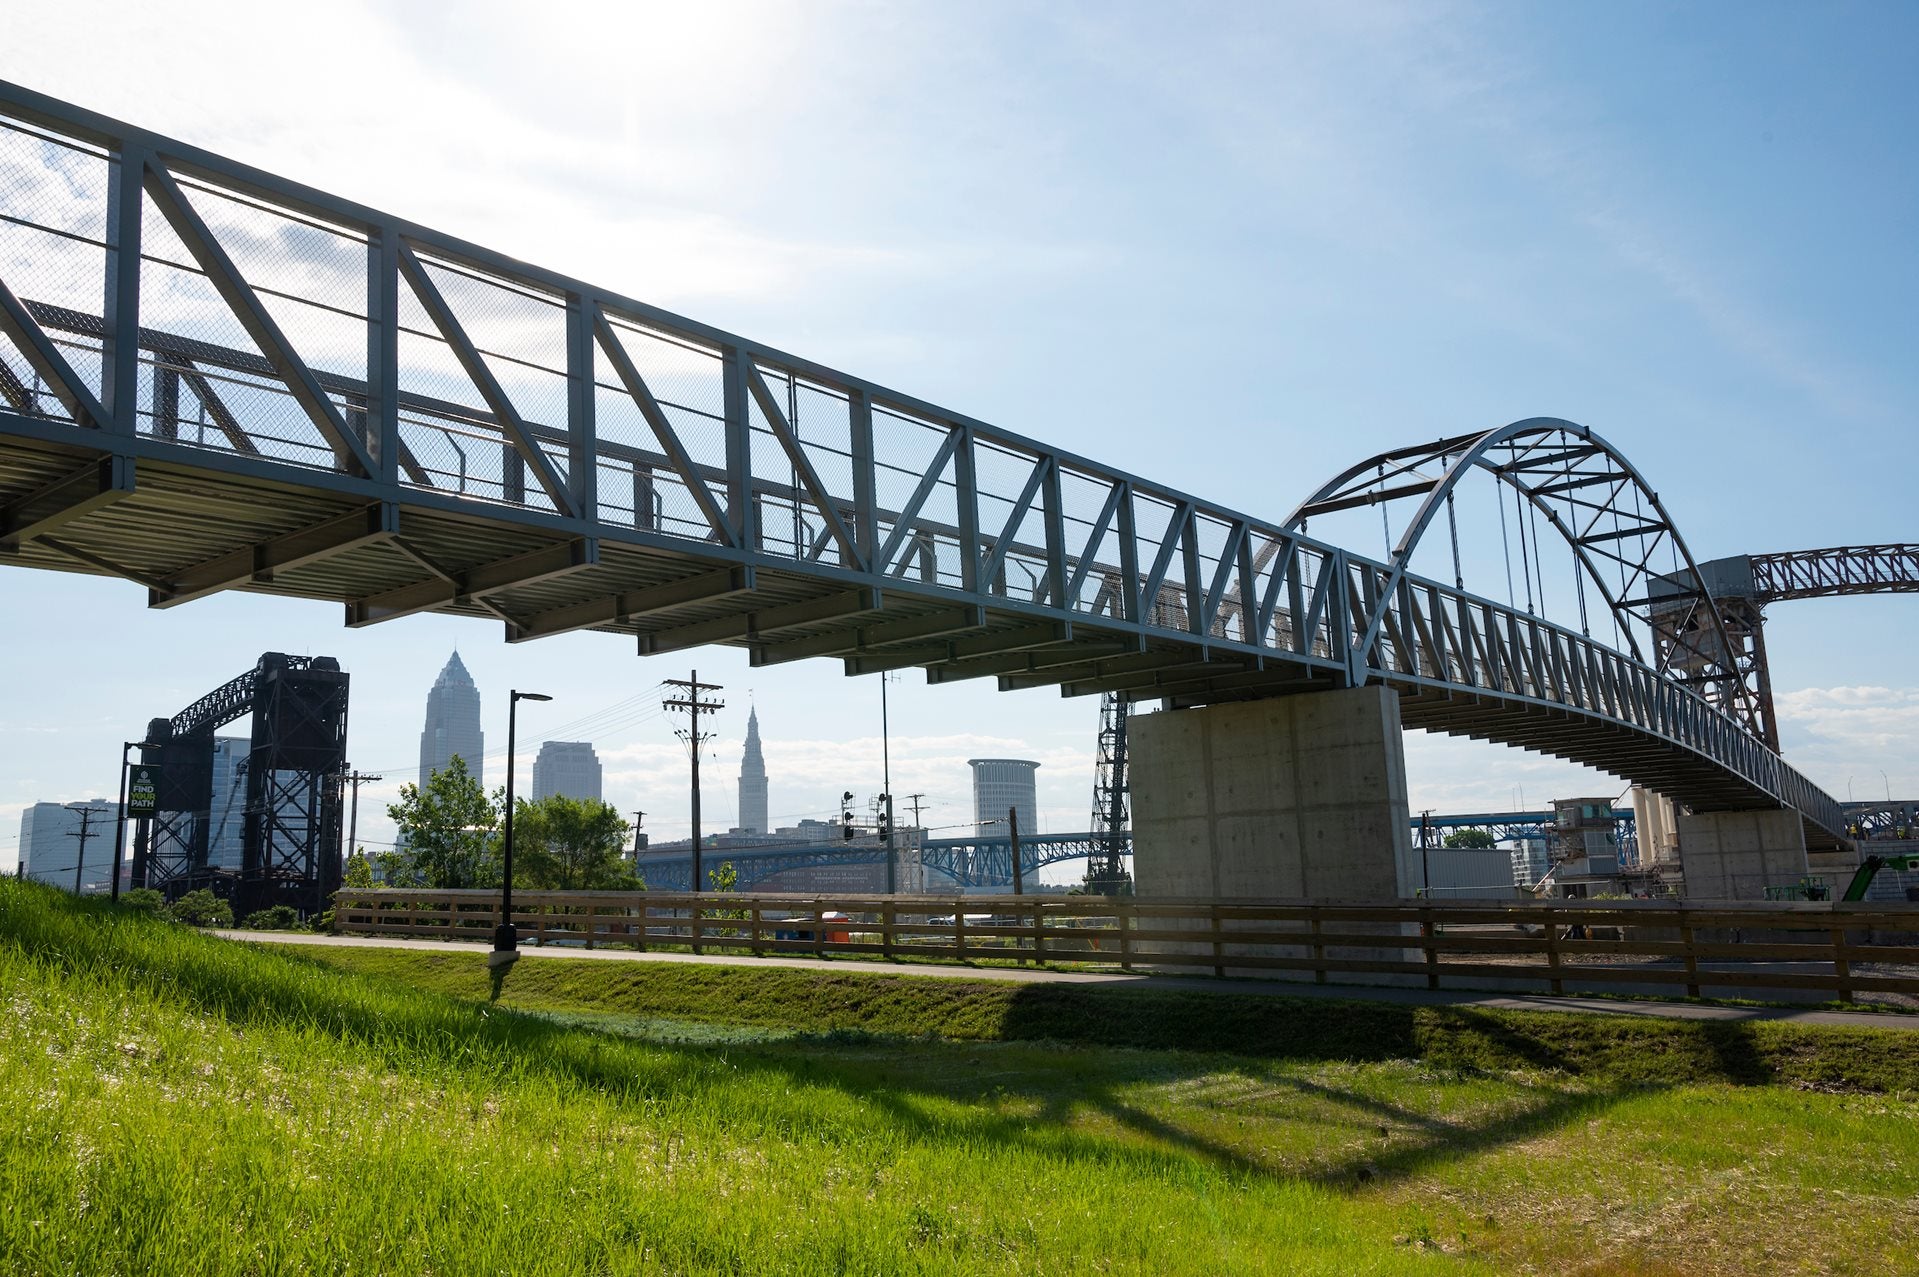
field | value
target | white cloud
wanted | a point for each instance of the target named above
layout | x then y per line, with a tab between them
1855	741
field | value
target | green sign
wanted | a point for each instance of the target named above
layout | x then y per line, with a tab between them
143	790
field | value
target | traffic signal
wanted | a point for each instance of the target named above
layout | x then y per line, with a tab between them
886	820
846	815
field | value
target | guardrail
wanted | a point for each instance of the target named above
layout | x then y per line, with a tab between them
1620	946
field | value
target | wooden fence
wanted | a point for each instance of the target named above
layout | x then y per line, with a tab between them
1622	946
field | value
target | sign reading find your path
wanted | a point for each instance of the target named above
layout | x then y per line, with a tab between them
143	790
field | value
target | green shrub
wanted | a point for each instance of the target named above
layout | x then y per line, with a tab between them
278	918
322	921
201	909
145	899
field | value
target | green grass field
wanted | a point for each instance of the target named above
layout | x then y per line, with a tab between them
174	1103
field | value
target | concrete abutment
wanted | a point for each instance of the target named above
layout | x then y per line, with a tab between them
1736	855
1294	797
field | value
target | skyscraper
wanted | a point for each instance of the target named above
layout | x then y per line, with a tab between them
568	767
753	779
452	724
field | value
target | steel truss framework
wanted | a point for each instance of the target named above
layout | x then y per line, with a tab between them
221	379
295	762
1743	586
1849	569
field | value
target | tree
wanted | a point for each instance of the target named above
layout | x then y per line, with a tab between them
358	872
448	827
723	878
1472	839
202	909
570	844
276	918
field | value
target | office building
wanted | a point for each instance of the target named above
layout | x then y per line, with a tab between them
753	779
50	844
1000	784
568	767
453	724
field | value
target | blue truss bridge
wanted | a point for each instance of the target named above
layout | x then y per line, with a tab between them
212	378
986	863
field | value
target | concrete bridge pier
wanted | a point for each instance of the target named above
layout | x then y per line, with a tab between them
1736	855
1297	796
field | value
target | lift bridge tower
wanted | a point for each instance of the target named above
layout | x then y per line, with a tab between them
294	770
1106	874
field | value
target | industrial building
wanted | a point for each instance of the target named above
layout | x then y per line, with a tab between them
569	768
1000	784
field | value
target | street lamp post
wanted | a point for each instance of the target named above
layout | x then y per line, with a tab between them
120	821
506	937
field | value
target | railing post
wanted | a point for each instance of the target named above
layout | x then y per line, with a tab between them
646	910
591	913
819	928
1426	943
693	932
887	910
1841	965
1039	934
755	932
1219	944
1557	984
1125	919
959	927
1692	956
1319	950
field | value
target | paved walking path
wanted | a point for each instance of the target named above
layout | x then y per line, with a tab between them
1197	984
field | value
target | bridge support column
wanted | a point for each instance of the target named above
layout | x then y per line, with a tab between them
1736	855
1299	796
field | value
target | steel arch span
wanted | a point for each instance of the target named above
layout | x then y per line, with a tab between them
1596	502
214	378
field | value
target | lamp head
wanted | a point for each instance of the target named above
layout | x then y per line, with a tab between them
531	696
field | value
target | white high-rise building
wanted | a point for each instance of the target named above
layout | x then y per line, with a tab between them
50	844
226	816
753	779
568	767
1000	784
453	724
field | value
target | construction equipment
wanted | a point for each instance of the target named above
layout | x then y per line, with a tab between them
1869	869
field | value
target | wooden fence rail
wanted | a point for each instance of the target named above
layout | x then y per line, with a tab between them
1630	946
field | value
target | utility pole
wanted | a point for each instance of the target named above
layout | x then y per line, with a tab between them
915	800
1425	855
689	703
639	839
1012	827
84	832
355	779
886	782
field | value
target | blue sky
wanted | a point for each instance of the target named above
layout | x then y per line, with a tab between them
1234	248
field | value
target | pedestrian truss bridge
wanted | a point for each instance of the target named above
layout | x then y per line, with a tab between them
212	378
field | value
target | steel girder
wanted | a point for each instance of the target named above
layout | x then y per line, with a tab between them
1849	569
310	397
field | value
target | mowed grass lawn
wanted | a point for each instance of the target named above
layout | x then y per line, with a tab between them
172	1103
